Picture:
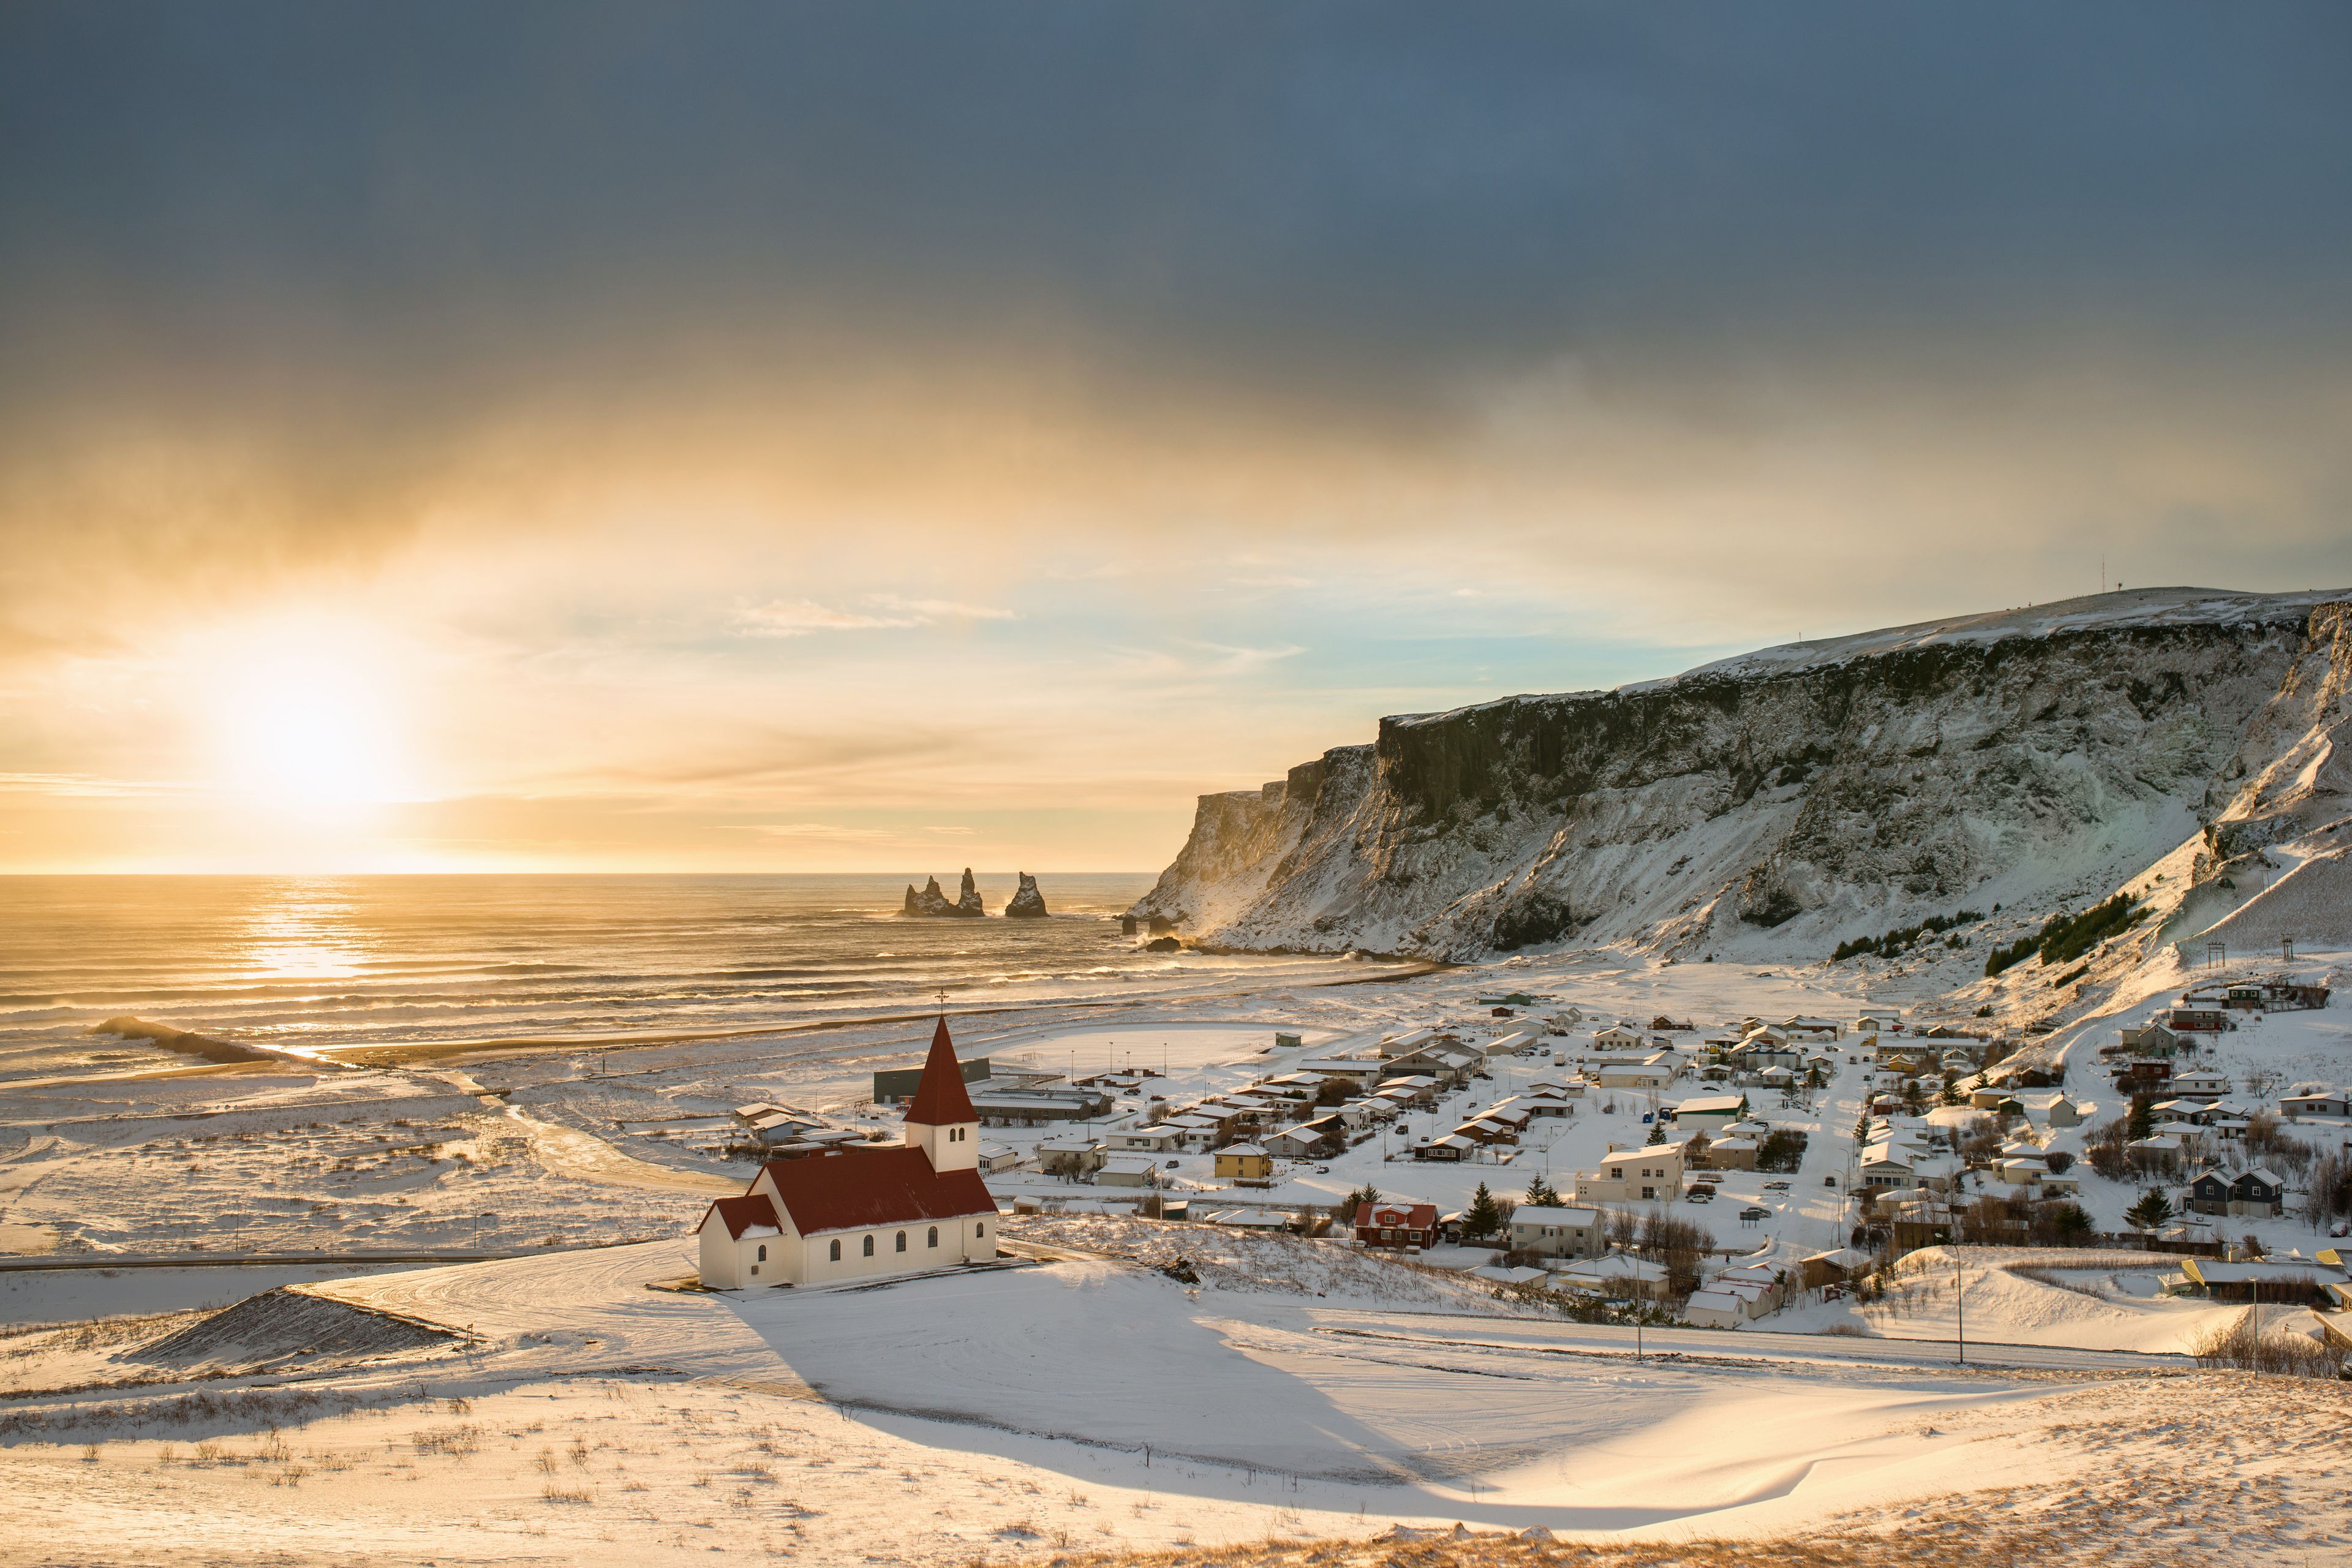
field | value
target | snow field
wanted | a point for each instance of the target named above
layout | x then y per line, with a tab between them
1026	1412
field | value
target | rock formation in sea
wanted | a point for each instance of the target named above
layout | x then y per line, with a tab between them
932	902
1028	903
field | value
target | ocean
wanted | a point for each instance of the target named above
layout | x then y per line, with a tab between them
327	962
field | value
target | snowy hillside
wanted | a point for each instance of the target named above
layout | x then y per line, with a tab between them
1769	805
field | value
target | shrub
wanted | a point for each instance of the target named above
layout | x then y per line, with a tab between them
2242	1345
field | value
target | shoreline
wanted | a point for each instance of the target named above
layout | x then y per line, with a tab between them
392	1054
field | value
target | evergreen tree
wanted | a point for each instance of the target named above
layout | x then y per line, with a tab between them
2152	1210
1483	1218
2143	1118
1658	1134
1366	1193
1541	1195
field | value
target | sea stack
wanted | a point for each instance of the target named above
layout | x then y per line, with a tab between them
1028	903
932	902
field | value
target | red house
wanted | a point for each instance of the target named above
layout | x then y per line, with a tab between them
1396	1225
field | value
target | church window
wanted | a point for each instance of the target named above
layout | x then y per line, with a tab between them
836	1252
980	1229
902	1241
935	1236
870	1246
764	1252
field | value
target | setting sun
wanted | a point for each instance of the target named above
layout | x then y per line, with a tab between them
301	725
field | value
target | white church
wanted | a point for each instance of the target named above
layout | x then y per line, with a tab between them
863	1213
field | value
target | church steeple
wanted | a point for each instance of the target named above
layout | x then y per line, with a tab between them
940	1122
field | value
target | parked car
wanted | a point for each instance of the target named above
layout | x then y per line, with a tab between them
1776	1186
1700	1195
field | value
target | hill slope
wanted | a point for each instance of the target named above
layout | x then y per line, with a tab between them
1768	803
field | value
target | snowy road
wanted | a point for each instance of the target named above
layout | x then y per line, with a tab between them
1741	1344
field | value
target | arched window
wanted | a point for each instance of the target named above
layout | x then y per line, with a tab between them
981	1229
870	1246
764	1252
902	1241
935	1236
836	1252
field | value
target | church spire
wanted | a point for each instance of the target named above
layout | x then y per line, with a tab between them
941	1099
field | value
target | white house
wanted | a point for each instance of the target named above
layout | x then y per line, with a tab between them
2199	1083
1619	1274
1710	1113
1654	1174
1656	1073
2323	1103
863	1213
1558	1232
1157	1139
1715	1310
1127	1171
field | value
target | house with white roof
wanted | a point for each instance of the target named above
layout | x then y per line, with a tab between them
1617	1275
2199	1083
1651	1174
1560	1231
1711	1112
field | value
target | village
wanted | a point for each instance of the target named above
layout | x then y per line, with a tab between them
1660	1171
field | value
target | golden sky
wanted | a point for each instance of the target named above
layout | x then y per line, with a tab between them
910	436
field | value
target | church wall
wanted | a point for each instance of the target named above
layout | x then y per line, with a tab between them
958	1244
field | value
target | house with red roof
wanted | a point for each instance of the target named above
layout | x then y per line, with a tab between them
863	1213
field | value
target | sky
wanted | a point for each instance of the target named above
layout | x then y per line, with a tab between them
897	436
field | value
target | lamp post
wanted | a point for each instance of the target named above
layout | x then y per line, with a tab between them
1961	1307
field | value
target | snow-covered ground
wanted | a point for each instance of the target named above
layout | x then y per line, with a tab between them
576	1415
559	1409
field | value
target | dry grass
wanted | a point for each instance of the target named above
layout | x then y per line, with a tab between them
2242	1346
1922	1545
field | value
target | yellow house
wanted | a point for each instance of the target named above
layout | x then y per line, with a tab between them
1245	1161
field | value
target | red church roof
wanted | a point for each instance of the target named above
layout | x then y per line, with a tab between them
869	1188
740	1214
940	1098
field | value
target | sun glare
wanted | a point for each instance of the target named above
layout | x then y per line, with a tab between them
301	720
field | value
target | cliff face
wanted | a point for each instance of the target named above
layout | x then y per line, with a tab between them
1759	805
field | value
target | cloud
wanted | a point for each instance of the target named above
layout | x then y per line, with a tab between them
826	832
1242	660
83	787
927	610
804	618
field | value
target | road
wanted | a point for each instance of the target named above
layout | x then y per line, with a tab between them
245	1259
1739	1344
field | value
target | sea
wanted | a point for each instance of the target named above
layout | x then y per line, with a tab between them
328	962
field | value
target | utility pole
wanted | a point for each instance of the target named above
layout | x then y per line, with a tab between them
1960	1306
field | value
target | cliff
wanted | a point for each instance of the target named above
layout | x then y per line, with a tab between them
1769	803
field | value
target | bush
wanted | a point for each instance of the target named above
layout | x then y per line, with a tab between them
2066	939
2242	1346
1899	941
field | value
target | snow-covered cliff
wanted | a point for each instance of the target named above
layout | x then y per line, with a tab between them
1768	803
